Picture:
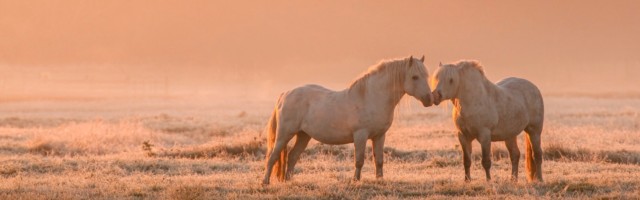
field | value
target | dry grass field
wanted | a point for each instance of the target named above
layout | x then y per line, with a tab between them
214	149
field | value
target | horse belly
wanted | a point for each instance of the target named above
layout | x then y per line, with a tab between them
331	136
328	129
502	136
508	130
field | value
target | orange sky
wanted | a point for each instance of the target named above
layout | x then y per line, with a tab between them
76	46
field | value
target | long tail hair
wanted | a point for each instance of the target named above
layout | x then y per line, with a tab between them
281	165
530	163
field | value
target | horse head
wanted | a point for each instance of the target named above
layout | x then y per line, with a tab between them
415	81
445	83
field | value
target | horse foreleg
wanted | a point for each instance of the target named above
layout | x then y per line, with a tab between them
378	154
514	154
465	143
484	137
302	139
359	142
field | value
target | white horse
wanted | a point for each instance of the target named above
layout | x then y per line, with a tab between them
492	112
361	112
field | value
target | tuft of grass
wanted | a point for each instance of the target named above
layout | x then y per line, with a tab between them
46	148
562	152
19	122
191	127
254	148
345	152
147	166
555	151
340	152
156	188
147	147
137	194
416	155
8	170
621	156
442	162
581	187
188	192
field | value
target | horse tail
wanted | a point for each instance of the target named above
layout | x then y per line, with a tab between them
530	163
272	126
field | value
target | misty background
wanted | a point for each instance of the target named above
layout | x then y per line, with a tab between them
96	49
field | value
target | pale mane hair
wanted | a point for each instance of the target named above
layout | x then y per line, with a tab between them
470	64
395	68
460	66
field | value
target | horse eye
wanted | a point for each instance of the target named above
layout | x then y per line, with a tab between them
414	77
450	81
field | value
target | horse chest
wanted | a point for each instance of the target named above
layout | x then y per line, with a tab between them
475	119
377	121
465	127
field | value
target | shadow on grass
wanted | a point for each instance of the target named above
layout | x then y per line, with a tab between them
560	152
255	149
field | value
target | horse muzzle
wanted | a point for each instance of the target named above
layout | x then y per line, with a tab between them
427	100
437	97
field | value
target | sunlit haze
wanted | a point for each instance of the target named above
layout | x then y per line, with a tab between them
70	49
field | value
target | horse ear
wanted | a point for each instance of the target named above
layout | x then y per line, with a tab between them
440	63
422	59
410	61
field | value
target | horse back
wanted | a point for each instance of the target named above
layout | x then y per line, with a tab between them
526	93
296	102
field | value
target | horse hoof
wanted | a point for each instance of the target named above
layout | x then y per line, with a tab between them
536	181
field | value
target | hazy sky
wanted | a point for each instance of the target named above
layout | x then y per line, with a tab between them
79	46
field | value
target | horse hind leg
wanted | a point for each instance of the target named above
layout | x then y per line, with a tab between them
514	154
302	140
534	153
278	152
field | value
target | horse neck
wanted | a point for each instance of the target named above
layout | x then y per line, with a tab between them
383	90
390	90
476	88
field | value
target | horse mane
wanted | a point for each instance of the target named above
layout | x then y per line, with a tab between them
375	69
471	64
393	66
